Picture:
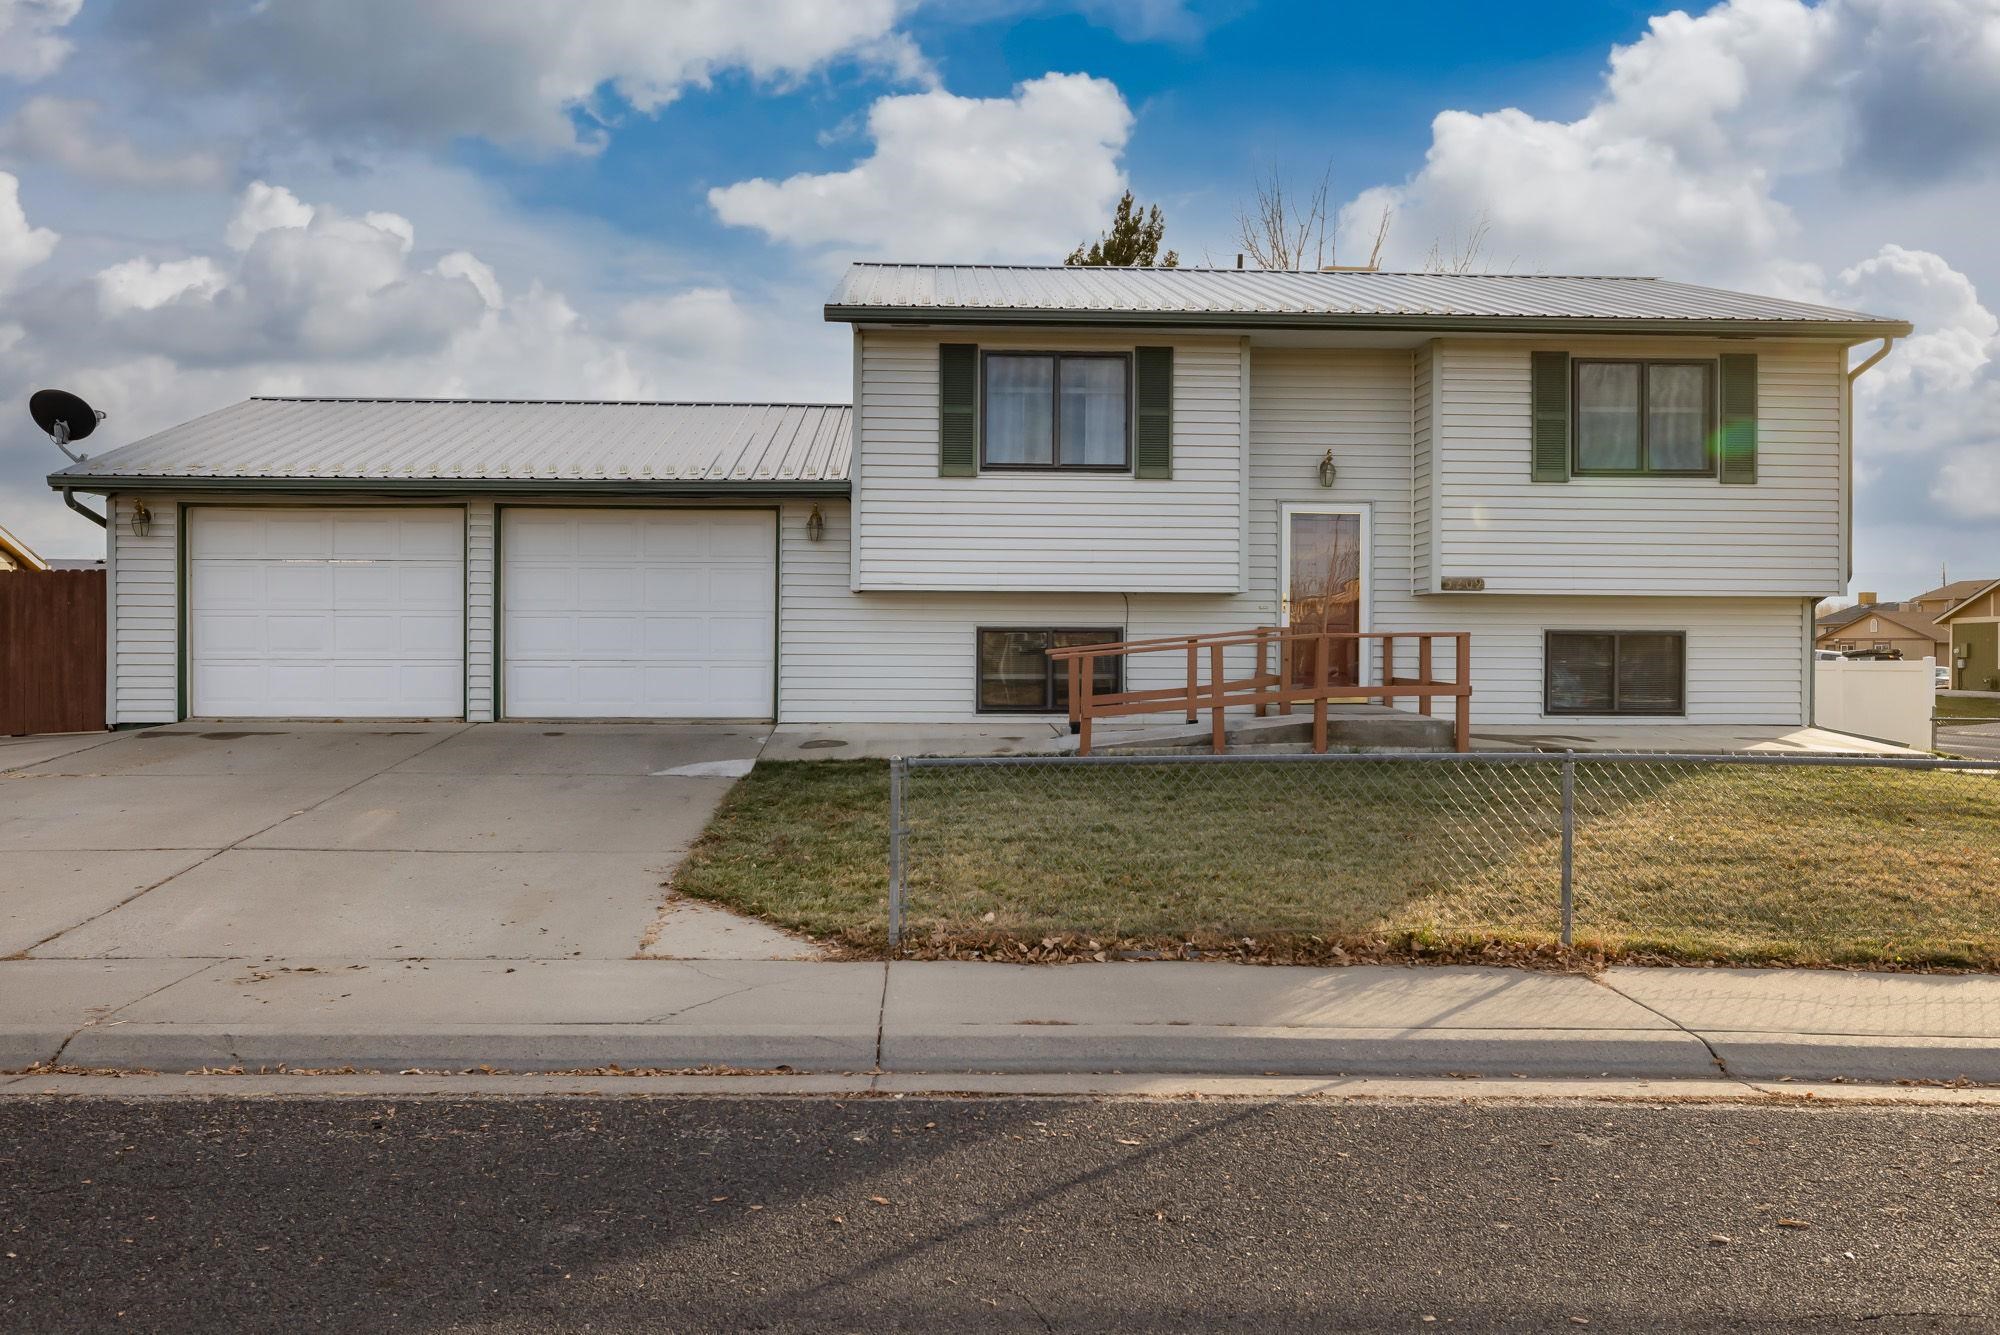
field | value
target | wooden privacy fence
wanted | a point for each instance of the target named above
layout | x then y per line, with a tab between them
1287	667
51	651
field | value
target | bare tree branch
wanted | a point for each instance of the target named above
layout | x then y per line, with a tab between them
1282	233
1458	255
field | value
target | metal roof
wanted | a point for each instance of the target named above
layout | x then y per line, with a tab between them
512	443
997	293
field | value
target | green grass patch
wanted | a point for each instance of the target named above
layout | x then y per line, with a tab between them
1967	707
1806	865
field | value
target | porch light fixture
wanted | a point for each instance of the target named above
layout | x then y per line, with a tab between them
815	525
142	519
1326	469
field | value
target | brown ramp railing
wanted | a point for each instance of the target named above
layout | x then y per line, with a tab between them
1286	668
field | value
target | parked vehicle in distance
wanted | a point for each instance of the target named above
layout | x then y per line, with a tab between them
1942	676
1828	655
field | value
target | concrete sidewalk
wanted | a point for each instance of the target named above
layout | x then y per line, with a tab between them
1166	1018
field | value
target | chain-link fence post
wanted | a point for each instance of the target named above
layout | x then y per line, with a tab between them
897	767
1569	848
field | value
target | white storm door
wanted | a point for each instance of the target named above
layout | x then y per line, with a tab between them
638	613
326	613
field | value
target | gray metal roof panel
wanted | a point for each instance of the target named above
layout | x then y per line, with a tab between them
510	440
969	290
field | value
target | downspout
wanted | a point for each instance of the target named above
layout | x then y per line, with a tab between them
1846	518
1847	455
69	499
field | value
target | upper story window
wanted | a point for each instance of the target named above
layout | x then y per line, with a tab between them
1064	410
1645	417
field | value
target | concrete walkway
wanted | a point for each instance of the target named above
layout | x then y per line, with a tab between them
1168	1018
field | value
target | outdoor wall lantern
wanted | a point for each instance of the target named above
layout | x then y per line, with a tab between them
815	525
1326	469
142	519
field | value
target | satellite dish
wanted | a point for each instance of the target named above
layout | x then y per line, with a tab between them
64	416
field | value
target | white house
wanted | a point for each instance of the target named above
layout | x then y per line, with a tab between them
1630	493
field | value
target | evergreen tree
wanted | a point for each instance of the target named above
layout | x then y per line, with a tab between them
1132	242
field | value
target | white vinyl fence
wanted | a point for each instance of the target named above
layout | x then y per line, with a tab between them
1890	701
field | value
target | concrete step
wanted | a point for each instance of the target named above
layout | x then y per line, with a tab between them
1348	728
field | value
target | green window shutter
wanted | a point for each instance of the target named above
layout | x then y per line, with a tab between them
1153	412
1548	392
1739	417
958	410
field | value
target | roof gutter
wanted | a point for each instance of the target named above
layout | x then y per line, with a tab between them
1433	324
73	503
401	486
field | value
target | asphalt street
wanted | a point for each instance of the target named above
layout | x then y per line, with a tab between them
1981	741
1037	1214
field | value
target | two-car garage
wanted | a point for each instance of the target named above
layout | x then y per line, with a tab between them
361	611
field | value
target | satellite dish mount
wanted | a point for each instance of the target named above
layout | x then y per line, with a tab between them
65	417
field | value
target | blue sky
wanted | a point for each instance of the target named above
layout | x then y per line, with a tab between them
651	197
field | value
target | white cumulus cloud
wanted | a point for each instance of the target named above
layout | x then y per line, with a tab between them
962	178
22	245
522	72
1679	166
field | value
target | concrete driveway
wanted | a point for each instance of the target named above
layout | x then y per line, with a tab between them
479	841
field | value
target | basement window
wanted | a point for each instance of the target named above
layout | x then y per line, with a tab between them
1016	675
1615	672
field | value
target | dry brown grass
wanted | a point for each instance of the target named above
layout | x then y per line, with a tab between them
1815	866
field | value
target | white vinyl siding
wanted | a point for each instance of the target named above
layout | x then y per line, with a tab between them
144	603
479	613
1645	536
1022	532
910	656
1423	455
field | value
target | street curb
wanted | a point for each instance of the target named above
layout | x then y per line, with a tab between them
1233	1051
1753	1056
512	1048
1009	1050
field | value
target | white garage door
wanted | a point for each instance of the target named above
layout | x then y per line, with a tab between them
638	613
349	613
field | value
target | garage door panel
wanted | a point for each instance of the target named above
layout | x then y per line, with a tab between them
740	638
673	637
670	540
326	614
655	623
294	536
607	539
733	586
533	537
608	637
228	634
609	586
218	585
744	536
315	634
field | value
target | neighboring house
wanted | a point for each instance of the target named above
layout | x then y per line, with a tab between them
1974	622
1630	493
18	555
1871	626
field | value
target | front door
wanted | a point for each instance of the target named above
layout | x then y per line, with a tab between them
1326	586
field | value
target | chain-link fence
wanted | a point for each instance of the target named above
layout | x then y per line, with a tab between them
1775	857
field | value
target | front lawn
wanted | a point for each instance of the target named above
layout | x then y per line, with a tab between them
1967	706
1362	860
